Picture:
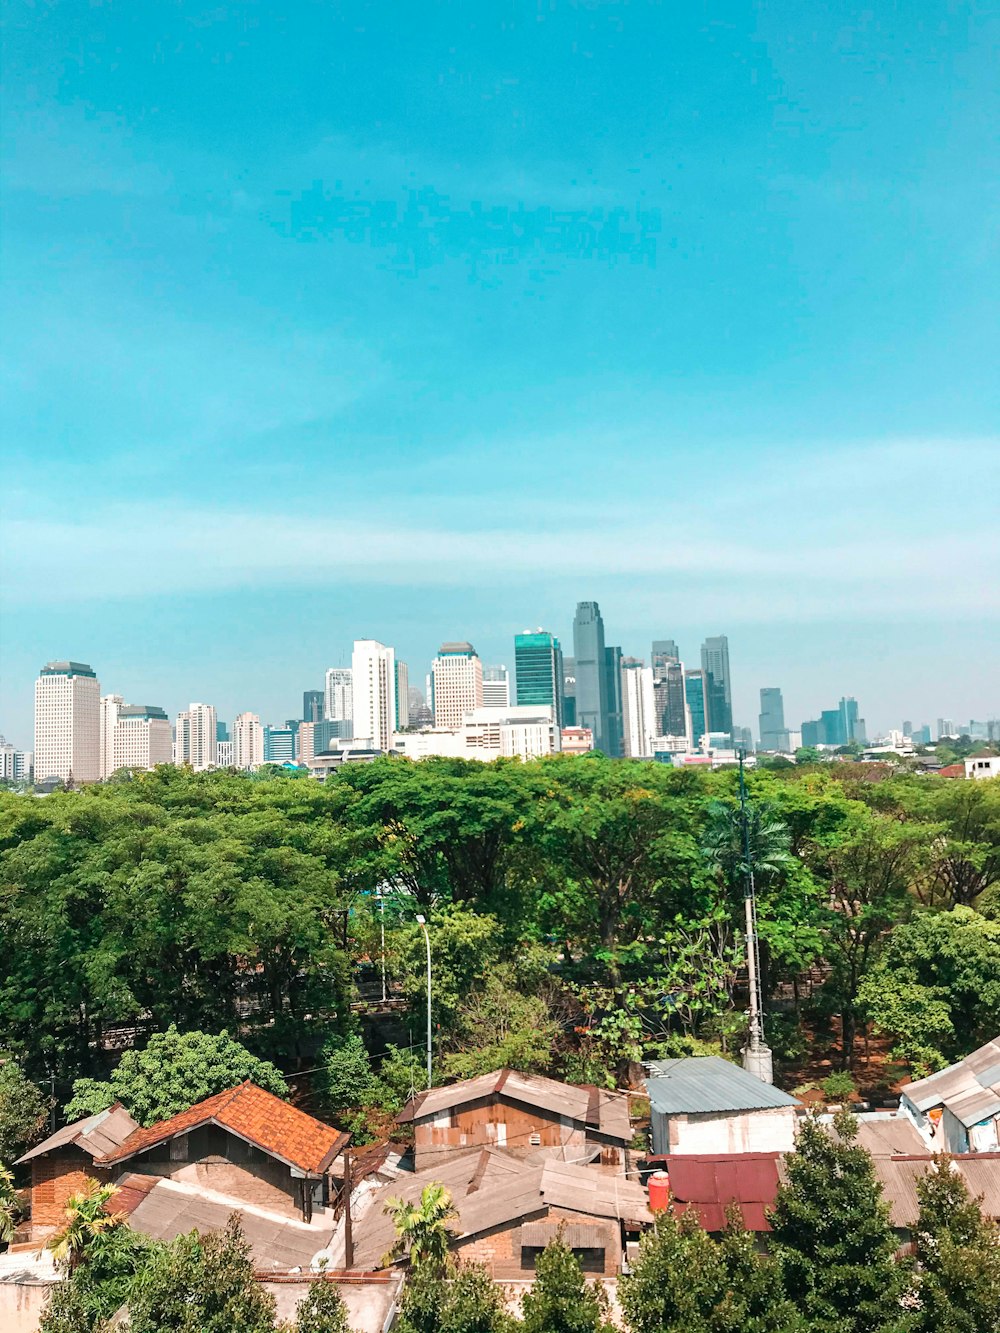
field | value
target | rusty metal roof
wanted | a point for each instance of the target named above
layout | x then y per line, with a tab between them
711	1183
969	1089
96	1135
605	1112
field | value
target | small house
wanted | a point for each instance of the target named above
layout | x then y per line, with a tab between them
519	1112
957	1110
706	1105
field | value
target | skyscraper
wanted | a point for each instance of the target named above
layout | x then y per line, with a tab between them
313	705
458	683
591	672
67	723
111	705
402	695
773	732
613	679
142	737
248	741
694	690
833	727
373	681
569	691
339	703
281	743
196	741
639	710
671	703
664	650
538	668
496	687
718	685
852	727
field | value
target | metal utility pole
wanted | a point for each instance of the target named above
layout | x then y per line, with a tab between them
381	907
421	922
348	1222
757	1055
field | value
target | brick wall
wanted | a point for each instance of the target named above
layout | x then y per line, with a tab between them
500	1248
265	1184
54	1178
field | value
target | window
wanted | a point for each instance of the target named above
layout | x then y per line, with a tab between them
535	1139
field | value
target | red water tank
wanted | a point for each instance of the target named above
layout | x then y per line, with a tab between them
659	1192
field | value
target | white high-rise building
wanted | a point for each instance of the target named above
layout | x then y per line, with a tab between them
402	695
67	723
373	680
496	687
111	705
196	740
639	709
224	754
458	683
248	741
142	737
15	764
338	703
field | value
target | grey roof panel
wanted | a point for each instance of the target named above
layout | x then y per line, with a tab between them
969	1089
698	1085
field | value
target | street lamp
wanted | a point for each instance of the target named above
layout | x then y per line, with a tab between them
421	922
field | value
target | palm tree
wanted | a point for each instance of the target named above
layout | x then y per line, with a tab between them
10	1204
422	1232
724	845
87	1223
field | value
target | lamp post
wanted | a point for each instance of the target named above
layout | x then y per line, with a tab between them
421	922
757	1055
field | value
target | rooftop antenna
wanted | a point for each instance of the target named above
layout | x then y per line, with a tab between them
756	1054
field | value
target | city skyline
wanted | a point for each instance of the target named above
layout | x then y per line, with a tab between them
423	348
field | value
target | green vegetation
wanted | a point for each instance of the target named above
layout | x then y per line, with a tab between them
561	1300
23	1111
958	1255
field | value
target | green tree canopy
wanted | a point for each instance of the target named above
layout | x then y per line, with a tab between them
173	1071
560	1300
23	1111
958	1257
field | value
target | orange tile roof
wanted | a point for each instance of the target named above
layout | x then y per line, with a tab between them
255	1115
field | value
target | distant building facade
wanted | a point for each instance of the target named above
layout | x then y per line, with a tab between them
142	737
538	669
457	675
496	687
591	672
373	684
248	741
196	738
772	730
67	723
718	684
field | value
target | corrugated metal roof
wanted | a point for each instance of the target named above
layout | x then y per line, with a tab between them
890	1134
710	1184
701	1084
969	1089
607	1112
577	1235
96	1134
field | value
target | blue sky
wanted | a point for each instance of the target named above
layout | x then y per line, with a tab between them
422	322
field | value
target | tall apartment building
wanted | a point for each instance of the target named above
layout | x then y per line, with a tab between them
718	684
111	705
671	697
773	732
402	695
15	764
196	738
591	672
538	671
67	723
496	687
373	679
639	709
248	741
457	674
142	737
339	704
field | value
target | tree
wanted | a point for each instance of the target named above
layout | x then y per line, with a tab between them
102	1285
345	1079
202	1284
67	1311
685	1282
831	1235
173	1072
10	1204
966	852
936	986
423	1232
560	1300
88	1223
958	1257
459	1299
322	1311
501	1027
23	1111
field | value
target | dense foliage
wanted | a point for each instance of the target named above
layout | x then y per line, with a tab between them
583	913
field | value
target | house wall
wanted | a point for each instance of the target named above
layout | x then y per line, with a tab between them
22	1304
212	1159
954	1133
493	1121
771	1130
54	1178
500	1248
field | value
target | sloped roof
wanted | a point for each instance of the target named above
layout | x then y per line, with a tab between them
699	1084
606	1112
889	1135
297	1139
969	1089
164	1209
95	1134
710	1183
492	1188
